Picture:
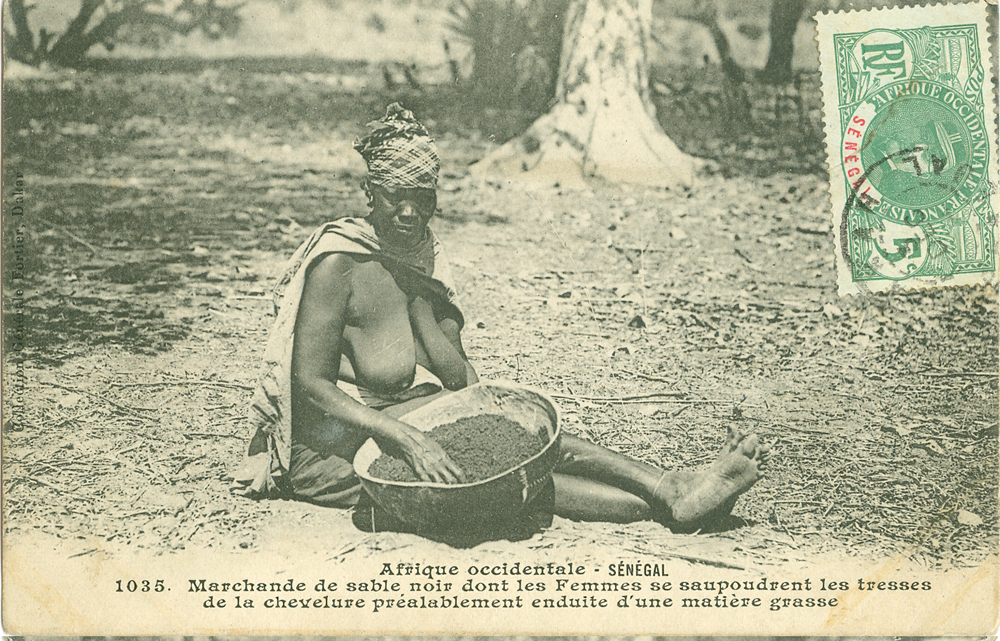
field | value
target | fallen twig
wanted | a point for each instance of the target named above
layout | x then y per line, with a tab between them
702	560
59	228
573	271
617	399
129	448
131	410
641	401
185	382
959	374
749	262
641	250
802	429
656	379
680	409
185	463
213	435
197	527
61	490
350	547
790	544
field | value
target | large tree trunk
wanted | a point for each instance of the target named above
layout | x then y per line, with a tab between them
785	16
603	123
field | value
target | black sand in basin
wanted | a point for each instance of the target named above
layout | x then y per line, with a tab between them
483	446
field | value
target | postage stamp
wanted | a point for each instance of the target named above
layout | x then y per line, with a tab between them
911	146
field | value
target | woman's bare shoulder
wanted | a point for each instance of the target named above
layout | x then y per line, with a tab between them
330	272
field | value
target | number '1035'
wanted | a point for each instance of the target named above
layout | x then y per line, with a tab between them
140	586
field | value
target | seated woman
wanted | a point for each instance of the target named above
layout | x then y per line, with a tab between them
368	329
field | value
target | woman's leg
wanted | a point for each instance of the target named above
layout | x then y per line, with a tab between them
582	499
683	500
589	460
326	480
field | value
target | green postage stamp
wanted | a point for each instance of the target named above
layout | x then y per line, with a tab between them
911	143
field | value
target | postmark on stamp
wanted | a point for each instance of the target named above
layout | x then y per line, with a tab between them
911	146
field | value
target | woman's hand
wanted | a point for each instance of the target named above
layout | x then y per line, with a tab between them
428	459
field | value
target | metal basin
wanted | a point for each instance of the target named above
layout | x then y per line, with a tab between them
483	506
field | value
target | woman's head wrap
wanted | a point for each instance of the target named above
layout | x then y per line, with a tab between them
399	151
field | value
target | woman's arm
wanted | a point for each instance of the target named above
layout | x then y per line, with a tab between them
316	358
447	360
450	329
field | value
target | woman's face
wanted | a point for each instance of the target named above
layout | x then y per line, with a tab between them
399	215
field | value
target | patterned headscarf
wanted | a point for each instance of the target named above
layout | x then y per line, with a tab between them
399	151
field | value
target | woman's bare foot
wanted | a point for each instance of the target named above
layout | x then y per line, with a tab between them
691	500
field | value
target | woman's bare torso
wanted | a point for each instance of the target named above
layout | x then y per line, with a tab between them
381	351
378	339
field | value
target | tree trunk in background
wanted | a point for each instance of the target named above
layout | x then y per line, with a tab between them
603	123
785	16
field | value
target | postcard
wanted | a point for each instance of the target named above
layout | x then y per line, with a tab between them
563	317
